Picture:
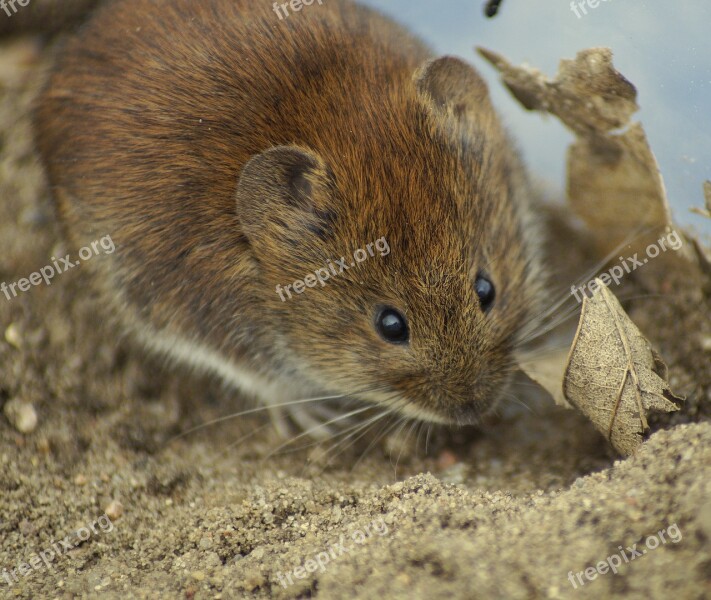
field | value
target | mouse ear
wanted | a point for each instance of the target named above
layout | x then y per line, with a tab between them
283	193
452	87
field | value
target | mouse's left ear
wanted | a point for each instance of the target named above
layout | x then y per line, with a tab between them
452	88
283	196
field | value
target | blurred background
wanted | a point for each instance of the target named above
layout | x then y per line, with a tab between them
663	47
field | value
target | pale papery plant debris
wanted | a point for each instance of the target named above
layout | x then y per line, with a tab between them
615	186
547	370
702	255
618	190
614	376
589	96
705	212
614	182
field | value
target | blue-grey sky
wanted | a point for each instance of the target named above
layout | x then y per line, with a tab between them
662	46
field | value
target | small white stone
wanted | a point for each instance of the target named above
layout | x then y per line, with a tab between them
13	337
114	510
22	415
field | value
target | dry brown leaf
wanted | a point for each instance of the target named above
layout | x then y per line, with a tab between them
588	95
614	182
705	212
617	189
614	377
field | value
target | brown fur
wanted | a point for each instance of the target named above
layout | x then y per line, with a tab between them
147	124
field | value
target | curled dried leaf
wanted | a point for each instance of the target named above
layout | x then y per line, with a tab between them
588	95
614	182
617	188
613	376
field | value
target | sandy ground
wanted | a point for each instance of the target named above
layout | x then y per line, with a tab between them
506	511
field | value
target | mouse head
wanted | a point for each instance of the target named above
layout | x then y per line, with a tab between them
398	263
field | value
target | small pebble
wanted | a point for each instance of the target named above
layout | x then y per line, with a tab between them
114	510
205	543
21	415
13	337
403	579
80	479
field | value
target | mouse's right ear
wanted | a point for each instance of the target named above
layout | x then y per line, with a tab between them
452	88
283	195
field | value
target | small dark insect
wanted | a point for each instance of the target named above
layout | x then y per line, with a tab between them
492	8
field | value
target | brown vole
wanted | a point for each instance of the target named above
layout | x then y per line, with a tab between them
228	151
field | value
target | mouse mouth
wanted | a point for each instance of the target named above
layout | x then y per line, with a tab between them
474	413
466	408
470	413
419	413
460	416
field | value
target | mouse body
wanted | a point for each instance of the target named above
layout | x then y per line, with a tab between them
231	152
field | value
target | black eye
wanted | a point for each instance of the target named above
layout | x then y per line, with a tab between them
392	326
485	290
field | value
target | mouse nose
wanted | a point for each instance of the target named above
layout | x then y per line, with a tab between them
478	397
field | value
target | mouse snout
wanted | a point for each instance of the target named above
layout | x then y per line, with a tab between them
474	407
460	396
479	398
